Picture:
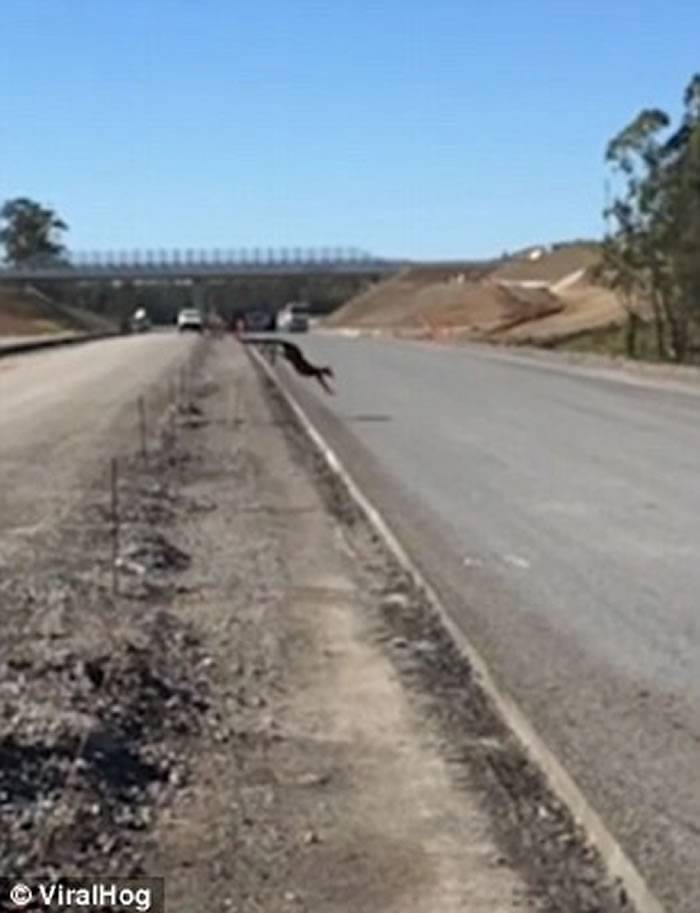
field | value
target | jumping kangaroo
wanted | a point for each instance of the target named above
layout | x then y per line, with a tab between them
296	358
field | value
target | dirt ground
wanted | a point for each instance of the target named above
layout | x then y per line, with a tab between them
28	313
584	307
478	306
489	302
22	314
552	266
265	713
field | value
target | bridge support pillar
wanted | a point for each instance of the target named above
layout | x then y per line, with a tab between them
199	296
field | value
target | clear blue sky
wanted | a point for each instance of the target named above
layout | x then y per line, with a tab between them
421	128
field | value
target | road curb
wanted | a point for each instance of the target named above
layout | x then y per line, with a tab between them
20	348
616	861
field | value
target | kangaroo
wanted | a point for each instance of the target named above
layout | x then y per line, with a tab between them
297	360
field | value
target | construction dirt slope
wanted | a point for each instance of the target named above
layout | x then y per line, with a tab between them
538	297
552	266
29	312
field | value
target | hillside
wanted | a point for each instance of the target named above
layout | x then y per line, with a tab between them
30	313
540	296
548	265
585	307
396	300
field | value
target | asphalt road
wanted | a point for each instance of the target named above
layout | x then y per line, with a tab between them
64	413
558	514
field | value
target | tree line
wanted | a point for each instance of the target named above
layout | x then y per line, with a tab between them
651	252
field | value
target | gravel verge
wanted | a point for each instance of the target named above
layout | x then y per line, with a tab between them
99	696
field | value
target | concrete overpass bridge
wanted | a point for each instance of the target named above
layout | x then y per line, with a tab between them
199	266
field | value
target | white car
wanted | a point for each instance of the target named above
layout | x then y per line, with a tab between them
294	318
190	319
140	322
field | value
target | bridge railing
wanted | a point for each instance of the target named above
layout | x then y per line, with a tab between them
193	261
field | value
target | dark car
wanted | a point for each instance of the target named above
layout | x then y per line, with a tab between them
259	322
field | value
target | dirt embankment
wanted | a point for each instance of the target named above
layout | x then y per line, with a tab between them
548	265
27	312
541	298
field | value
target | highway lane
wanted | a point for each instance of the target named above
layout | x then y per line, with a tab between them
64	413
558	514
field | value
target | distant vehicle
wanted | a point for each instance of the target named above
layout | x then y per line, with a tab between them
259	321
294	318
190	319
140	322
